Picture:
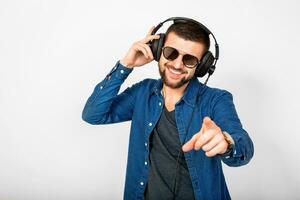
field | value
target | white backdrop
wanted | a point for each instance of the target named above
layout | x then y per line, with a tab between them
53	53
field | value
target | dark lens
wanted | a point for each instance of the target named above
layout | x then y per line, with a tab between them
170	53
190	61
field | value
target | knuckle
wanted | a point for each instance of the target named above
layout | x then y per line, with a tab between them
220	136
225	144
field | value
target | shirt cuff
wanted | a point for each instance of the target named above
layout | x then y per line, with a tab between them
119	71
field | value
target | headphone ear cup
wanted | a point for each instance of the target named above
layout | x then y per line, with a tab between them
205	64
156	46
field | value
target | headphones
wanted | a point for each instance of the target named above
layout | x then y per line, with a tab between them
207	63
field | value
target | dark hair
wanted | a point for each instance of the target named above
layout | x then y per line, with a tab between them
190	31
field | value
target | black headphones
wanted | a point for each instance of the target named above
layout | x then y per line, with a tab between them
207	63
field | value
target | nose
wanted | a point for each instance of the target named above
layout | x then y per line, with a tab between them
177	63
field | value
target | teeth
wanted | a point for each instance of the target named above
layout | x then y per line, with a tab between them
175	72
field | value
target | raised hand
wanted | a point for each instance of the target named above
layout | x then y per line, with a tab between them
139	53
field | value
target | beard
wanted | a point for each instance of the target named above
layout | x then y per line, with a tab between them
167	82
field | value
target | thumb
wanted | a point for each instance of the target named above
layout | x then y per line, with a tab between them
207	124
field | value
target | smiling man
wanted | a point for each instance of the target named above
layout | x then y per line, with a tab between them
181	129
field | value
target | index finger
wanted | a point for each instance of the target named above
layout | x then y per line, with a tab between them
189	145
150	31
150	38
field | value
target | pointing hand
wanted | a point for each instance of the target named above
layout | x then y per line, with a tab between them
210	138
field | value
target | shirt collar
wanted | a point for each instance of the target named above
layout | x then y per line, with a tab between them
190	94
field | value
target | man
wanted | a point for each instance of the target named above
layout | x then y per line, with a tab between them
181	129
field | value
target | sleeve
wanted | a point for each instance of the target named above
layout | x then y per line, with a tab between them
105	105
226	117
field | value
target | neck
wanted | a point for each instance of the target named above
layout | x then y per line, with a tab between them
172	95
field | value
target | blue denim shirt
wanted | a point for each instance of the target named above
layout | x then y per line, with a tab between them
143	103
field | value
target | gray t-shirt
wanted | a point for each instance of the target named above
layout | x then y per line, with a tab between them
164	149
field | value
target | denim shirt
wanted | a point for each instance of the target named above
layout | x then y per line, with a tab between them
143	104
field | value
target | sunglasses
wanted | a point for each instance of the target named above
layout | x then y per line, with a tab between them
188	60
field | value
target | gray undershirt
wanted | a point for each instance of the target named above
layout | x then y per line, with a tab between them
164	149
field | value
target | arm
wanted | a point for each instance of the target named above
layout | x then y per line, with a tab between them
215	134
225	115
104	105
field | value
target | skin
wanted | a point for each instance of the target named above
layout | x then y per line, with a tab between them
176	77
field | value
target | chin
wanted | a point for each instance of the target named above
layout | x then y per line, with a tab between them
172	83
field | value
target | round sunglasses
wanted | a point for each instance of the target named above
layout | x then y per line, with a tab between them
188	60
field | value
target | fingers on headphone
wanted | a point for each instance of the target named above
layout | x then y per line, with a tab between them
150	38
145	49
150	30
150	55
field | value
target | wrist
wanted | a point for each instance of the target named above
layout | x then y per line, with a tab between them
126	64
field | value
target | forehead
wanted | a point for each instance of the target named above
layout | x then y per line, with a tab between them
184	46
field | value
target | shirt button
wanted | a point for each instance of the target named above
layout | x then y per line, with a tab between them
146	144
146	163
234	152
101	87
150	124
159	103
141	183
122	71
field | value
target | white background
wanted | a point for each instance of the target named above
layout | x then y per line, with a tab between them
53	53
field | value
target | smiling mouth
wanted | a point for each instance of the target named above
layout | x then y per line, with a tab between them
176	73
